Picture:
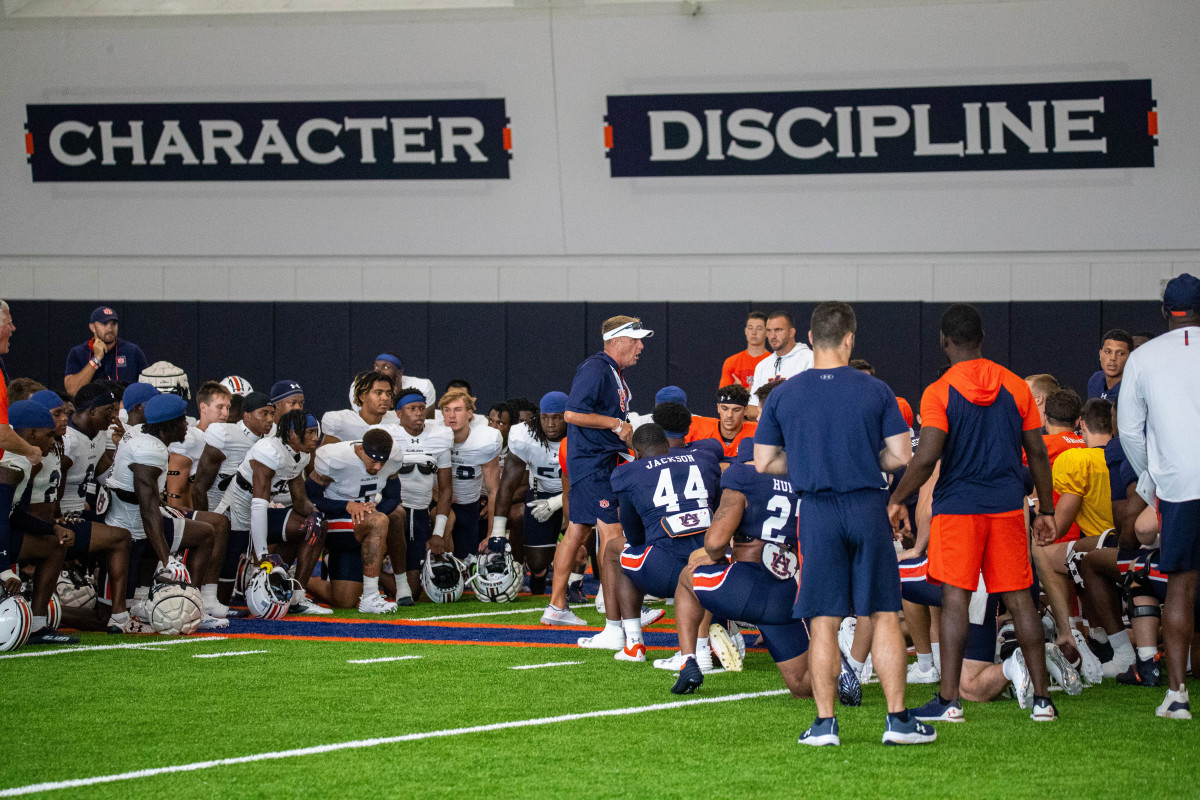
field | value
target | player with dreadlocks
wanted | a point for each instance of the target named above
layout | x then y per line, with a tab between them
267	497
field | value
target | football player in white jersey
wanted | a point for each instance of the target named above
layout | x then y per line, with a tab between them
213	400
85	453
392	365
475	461
24	537
346	477
372	396
533	451
226	444
426	467
267	498
46	483
139	476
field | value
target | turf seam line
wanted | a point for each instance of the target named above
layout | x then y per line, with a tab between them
379	660
137	646
232	653
551	664
363	743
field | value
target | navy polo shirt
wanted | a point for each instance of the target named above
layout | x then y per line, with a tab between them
1098	387
598	388
123	362
831	423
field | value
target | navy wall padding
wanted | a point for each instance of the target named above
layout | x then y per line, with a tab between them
511	349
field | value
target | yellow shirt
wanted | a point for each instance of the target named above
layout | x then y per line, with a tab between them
1082	471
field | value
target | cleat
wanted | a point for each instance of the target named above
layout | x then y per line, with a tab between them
821	733
305	605
607	639
631	652
208	623
846	635
938	711
724	648
1118	667
1043	710
674	663
138	609
133	625
575	595
1061	671
1175	706
1104	652
1090	668
849	686
651	615
1022	684
911	732
599	601
1006	642
561	616
690	678
1144	672
375	604
218	610
405	601
48	635
867	673
918	675
735	633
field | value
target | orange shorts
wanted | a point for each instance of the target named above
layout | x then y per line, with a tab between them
962	546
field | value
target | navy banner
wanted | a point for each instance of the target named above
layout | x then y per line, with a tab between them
333	140
1084	125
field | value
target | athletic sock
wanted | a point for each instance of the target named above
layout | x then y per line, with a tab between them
402	587
854	665
1147	653
208	594
38	623
118	619
702	644
937	654
925	660
1119	641
370	586
609	624
1007	666
1100	636
633	630
899	716
574	578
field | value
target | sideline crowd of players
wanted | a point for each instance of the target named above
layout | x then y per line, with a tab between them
1005	529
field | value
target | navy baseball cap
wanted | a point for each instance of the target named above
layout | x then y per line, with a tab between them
553	403
138	393
284	389
671	394
165	407
47	399
103	314
28	414
1182	295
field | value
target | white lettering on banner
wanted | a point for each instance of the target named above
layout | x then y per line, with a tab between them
658	136
464	132
271	142
173	143
402	140
366	135
56	143
109	143
1065	124
221	134
314	156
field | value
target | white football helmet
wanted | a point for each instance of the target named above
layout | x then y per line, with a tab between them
443	577
75	589
16	619
174	608
269	593
498	578
237	384
167	378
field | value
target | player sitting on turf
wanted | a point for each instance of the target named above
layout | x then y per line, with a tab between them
137	482
25	538
666	499
758	515
346	477
533	451
267	500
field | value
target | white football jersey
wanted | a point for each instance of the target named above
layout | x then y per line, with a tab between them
467	460
192	447
84	454
424	455
47	479
545	475
272	453
21	464
234	440
351	481
141	449
347	426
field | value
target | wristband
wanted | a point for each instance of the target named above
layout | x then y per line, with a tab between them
8	574
617	427
499	524
1049	513
95	364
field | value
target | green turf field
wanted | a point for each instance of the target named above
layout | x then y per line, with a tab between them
105	712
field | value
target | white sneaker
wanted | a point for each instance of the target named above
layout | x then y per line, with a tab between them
561	616
218	610
1119	664
675	662
209	623
607	639
867	673
305	605
600	600
1090	668
631	652
1061	671
918	675
651	615
724	648
1175	705
137	609
846	635
375	604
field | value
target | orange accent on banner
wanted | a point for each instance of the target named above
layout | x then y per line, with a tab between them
608	136
29	144
1152	122
508	138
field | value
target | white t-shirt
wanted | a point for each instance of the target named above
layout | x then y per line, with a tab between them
773	367
347	426
424	455
234	440
351	481
84	454
545	475
139	449
467	460
272	453
192	447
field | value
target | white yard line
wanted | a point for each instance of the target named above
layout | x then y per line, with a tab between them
552	664
233	653
481	614
380	660
362	743
141	646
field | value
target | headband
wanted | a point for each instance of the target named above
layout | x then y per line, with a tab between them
410	398
391	359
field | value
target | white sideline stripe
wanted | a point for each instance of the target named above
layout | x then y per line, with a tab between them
234	653
552	664
141	646
481	614
379	660
361	743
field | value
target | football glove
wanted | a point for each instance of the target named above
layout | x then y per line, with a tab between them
545	509
173	571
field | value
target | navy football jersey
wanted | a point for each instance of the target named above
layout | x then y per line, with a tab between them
771	505
710	447
667	497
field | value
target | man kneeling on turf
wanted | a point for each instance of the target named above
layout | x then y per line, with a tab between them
345	479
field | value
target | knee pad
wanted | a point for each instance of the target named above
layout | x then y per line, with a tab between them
1153	610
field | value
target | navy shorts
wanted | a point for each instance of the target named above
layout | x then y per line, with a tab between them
1179	549
748	592
541	534
592	498
655	568
913	586
345	551
83	539
466	528
848	560
417	529
236	546
277	524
